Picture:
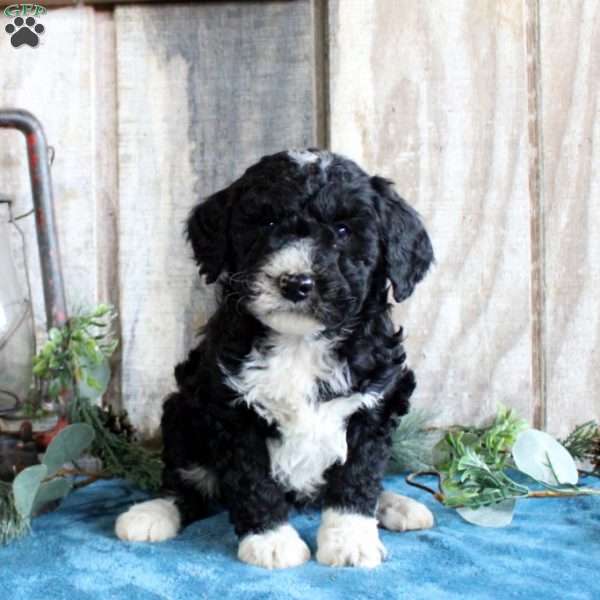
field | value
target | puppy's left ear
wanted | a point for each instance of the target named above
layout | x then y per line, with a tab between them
208	232
407	248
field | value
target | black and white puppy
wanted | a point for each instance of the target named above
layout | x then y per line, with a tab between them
291	397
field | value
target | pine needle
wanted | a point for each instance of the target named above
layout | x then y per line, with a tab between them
120	457
584	442
413	442
12	524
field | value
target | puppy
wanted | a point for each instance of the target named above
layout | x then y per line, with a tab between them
291	397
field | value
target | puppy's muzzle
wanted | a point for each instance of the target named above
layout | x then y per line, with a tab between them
296	287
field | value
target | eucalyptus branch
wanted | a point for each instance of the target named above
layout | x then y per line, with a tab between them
564	493
523	491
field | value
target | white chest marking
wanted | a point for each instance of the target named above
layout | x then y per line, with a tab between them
281	383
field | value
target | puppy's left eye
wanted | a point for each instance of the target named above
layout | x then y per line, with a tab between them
342	230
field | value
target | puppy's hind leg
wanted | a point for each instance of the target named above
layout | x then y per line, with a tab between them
189	493
399	513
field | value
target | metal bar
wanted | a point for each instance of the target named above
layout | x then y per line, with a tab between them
41	188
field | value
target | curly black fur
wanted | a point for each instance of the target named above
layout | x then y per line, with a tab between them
232	233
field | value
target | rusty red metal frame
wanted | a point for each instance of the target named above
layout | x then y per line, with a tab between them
45	224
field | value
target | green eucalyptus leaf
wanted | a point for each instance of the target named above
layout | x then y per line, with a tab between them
67	446
50	491
25	488
93	379
496	515
441	454
39	368
93	383
540	456
101	310
55	335
470	439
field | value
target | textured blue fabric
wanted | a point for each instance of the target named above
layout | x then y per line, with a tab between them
552	550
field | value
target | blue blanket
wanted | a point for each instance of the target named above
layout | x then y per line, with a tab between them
552	550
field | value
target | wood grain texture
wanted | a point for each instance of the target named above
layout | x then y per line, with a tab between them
56	82
219	85
433	95
534	135
105	182
570	81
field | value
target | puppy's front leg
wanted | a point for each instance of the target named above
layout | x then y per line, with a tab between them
348	534
347	537
259	512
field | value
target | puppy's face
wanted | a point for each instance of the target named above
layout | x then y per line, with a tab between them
308	257
303	239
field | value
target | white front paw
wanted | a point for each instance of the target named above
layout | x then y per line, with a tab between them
275	549
152	521
399	513
349	539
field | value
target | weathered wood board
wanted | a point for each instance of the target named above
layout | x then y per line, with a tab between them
57	82
570	120
204	90
433	95
151	107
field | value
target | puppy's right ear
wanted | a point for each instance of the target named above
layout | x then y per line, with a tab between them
208	232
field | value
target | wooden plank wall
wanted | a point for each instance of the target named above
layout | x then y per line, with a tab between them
218	88
484	113
64	83
570	120
436	100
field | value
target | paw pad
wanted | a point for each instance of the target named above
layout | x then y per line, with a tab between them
24	31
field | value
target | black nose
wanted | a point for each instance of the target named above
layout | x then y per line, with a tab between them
296	287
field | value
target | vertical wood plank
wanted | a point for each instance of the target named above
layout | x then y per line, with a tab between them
538	362
433	95
204	90
105	181
570	83
55	81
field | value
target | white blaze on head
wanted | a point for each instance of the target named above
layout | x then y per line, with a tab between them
303	157
295	257
307	157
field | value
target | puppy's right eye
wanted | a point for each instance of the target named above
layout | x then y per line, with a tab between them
342	230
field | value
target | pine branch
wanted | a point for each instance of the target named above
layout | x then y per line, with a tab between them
583	443
12	524
120	457
413	442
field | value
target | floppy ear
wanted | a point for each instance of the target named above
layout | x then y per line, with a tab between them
208	232
407	248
